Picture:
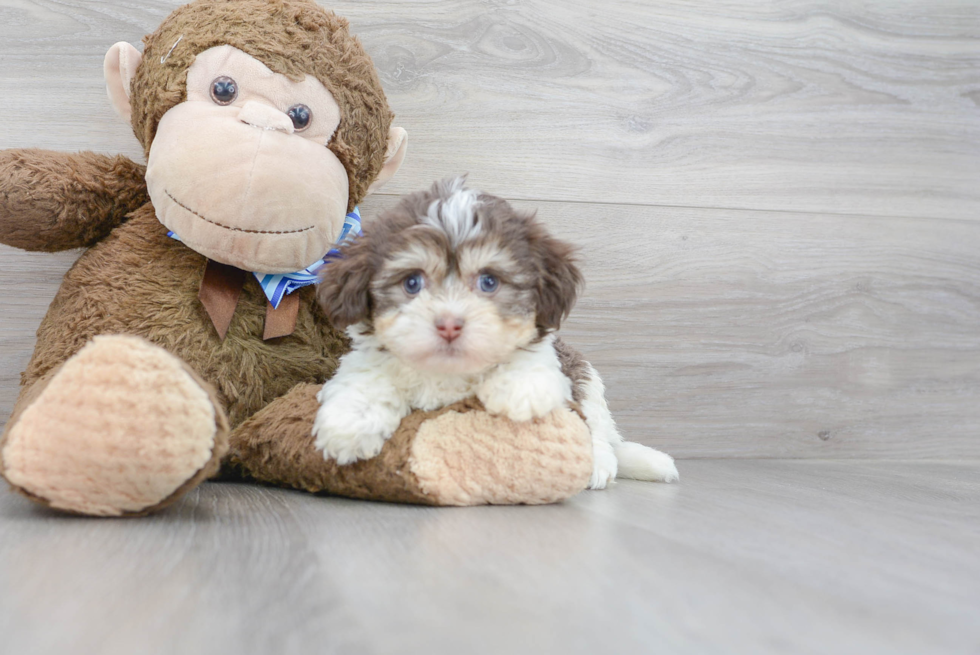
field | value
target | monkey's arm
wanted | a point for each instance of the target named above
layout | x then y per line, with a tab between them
56	201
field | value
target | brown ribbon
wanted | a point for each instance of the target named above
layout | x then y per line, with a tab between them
221	288
281	321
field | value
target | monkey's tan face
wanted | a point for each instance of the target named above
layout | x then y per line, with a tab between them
241	170
453	313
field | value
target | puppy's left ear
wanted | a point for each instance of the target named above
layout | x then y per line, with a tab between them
559	281
344	291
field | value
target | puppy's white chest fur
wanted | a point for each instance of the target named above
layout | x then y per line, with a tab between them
522	375
425	391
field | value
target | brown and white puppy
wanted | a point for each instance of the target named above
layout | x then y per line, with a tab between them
452	294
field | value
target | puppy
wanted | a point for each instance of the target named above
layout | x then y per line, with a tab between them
452	294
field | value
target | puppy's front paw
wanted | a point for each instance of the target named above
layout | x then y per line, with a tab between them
346	436
521	398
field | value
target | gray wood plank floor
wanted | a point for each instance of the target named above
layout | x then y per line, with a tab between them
741	557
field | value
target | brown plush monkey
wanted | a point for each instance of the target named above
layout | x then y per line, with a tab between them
161	357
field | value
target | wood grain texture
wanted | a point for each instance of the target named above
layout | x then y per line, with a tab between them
855	108
740	557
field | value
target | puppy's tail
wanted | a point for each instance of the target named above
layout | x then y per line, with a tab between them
639	462
632	460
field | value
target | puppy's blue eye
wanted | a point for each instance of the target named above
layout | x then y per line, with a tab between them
413	284
488	283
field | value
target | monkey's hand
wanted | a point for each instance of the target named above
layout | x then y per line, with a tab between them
54	201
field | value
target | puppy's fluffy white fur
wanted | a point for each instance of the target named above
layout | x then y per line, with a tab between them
454	294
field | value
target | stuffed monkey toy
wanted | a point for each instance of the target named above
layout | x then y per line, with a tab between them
183	342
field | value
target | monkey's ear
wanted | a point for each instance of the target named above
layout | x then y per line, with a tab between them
394	156
120	67
344	291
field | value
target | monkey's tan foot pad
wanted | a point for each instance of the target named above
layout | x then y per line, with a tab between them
123	427
476	458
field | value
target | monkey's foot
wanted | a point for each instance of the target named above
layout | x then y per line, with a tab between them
122	428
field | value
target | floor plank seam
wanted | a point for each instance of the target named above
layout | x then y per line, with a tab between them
559	201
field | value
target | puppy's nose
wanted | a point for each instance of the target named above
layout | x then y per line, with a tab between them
449	327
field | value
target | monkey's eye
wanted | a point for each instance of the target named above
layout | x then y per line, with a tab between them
224	90
301	116
413	284
488	283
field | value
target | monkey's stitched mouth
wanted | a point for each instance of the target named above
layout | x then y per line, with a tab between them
235	229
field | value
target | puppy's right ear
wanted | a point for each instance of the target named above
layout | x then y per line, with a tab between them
560	280
345	285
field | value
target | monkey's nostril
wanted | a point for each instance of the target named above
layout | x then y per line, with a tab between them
449	328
